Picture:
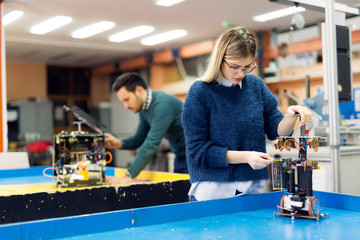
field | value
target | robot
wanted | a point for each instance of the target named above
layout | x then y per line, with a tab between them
80	157
300	202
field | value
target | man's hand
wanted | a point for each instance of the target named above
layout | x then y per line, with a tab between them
112	142
118	180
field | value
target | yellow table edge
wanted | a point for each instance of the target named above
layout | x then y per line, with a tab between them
50	187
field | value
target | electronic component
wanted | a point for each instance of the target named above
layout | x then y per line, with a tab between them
280	166
300	201
80	157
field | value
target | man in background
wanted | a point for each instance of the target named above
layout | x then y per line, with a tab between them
160	116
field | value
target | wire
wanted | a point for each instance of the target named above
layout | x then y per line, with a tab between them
46	175
311	146
110	157
289	148
80	165
65	149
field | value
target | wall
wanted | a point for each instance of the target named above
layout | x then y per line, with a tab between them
29	80
25	80
293	80
99	90
297	88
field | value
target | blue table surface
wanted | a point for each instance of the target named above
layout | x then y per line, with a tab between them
257	224
245	217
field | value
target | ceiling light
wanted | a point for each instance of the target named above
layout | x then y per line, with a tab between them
93	29
167	3
11	16
50	24
131	33
278	14
320	5
163	37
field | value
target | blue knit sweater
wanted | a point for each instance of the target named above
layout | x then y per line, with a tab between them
218	118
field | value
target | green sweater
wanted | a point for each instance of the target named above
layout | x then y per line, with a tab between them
162	119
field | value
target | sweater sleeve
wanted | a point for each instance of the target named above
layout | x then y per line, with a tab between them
162	119
200	150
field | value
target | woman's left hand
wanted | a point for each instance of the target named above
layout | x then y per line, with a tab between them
304	112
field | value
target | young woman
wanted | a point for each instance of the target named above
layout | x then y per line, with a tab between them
227	116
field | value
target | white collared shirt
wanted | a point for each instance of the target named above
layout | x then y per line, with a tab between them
227	83
148	101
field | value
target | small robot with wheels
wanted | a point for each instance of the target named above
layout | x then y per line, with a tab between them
300	202
80	157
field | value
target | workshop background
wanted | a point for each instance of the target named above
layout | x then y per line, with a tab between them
45	71
302	57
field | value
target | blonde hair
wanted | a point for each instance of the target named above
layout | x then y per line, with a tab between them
234	43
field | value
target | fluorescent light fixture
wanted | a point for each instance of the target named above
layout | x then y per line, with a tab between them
93	29
167	3
131	33
11	16
319	5
346	9
278	14
50	24
163	37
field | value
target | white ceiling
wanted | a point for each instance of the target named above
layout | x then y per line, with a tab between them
201	18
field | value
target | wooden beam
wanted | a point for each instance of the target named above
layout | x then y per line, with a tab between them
205	47
163	57
197	49
104	69
133	63
305	46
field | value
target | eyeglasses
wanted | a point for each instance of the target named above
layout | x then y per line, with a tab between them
247	69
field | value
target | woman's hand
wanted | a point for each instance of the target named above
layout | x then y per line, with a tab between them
305	113
258	160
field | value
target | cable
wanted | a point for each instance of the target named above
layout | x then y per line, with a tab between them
110	157
80	165
65	149
289	148
46	175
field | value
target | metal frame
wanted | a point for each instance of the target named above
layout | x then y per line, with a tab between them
330	70
320	5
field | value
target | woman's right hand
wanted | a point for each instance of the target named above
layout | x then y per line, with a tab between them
258	160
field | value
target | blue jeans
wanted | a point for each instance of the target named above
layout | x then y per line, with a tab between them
180	165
